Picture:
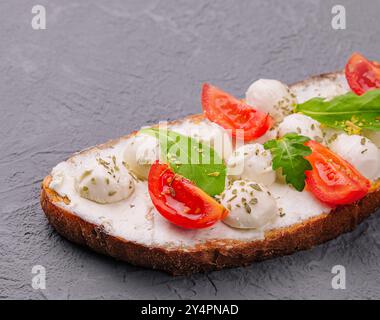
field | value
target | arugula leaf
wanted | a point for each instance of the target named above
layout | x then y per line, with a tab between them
349	112
288	153
195	161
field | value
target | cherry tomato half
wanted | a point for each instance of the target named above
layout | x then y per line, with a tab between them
362	75
180	201
233	114
333	180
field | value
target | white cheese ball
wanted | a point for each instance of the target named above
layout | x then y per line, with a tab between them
360	152
271	96
301	124
250	205
140	153
251	162
105	181
208	133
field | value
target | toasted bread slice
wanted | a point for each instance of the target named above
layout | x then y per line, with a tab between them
215	252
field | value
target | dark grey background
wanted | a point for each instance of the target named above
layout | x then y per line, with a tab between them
104	68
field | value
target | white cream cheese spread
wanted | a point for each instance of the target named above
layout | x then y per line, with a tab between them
132	216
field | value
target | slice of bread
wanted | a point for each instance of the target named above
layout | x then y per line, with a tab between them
214	254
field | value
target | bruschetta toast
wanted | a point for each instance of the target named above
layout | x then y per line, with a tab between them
284	178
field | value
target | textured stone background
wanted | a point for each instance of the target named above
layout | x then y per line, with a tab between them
104	68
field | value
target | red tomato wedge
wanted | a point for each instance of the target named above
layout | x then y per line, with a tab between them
180	201
333	180
362	75
233	114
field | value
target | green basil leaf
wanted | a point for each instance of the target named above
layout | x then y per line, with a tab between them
349	112
288	154
189	158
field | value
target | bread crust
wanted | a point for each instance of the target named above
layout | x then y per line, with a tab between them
212	254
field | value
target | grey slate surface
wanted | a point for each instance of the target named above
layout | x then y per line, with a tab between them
104	68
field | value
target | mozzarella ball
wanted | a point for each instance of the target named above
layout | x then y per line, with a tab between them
271	96
301	124
140	153
251	162
105	181
208	133
250	205
360	152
